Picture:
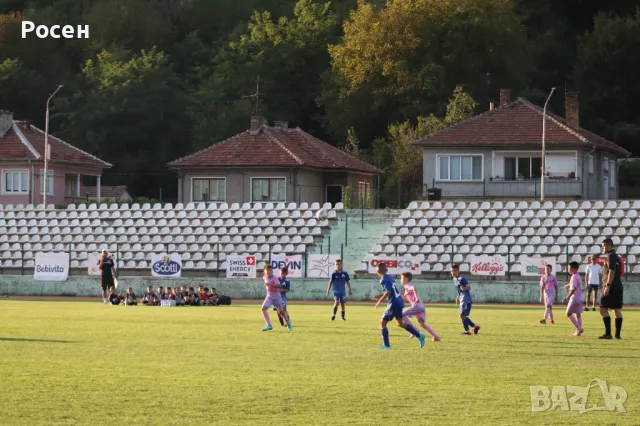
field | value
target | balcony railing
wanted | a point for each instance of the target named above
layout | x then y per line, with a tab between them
531	188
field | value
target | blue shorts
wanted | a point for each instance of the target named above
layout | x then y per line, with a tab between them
593	287
340	297
392	311
284	305
465	309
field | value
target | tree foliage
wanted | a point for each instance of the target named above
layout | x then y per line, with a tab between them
160	78
403	164
405	58
606	57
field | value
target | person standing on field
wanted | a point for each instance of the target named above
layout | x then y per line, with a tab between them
107	274
612	290
592	280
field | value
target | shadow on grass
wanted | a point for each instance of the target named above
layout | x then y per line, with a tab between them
17	339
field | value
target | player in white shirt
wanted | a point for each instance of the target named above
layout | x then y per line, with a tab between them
592	281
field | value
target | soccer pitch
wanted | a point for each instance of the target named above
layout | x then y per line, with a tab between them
86	363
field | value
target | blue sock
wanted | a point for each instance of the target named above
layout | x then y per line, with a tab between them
385	337
411	329
335	309
465	324
342	314
471	323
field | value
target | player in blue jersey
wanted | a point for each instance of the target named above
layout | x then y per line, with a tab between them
339	279
463	299
394	307
285	285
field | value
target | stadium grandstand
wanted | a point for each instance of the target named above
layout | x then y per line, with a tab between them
438	234
203	234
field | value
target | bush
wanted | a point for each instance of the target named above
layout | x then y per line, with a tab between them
346	197
142	200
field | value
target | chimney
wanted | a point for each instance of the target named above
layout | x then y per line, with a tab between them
490	106
505	96
256	123
572	109
6	121
281	124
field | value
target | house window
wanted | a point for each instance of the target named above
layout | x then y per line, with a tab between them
15	181
591	164
606	165
71	186
522	168
49	182
460	167
364	191
612	174
268	189
211	189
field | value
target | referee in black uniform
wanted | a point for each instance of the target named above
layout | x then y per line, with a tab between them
612	291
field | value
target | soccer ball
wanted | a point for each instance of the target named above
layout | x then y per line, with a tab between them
321	214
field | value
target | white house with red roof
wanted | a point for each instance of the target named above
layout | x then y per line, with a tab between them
272	163
22	165
498	154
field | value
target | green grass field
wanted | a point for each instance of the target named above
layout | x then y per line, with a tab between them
86	363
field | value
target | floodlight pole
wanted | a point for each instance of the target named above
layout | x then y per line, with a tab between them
46	151
544	134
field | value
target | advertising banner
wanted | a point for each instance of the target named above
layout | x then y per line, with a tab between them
166	265
51	266
395	264
534	266
495	265
321	265
241	266
293	263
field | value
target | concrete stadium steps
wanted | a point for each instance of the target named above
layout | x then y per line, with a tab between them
358	239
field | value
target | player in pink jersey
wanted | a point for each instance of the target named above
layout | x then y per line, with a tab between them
576	299
417	307
274	298
548	293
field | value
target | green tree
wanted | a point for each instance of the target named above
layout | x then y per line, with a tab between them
405	59
129	112
404	167
288	54
21	90
606	72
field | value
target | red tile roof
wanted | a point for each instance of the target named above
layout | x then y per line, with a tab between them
24	141
518	123
105	191
274	146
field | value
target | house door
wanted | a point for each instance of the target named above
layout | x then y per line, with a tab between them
334	194
605	195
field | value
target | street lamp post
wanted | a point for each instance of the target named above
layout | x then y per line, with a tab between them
544	134
46	151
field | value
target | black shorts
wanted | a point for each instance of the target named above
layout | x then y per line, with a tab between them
612	301
106	283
